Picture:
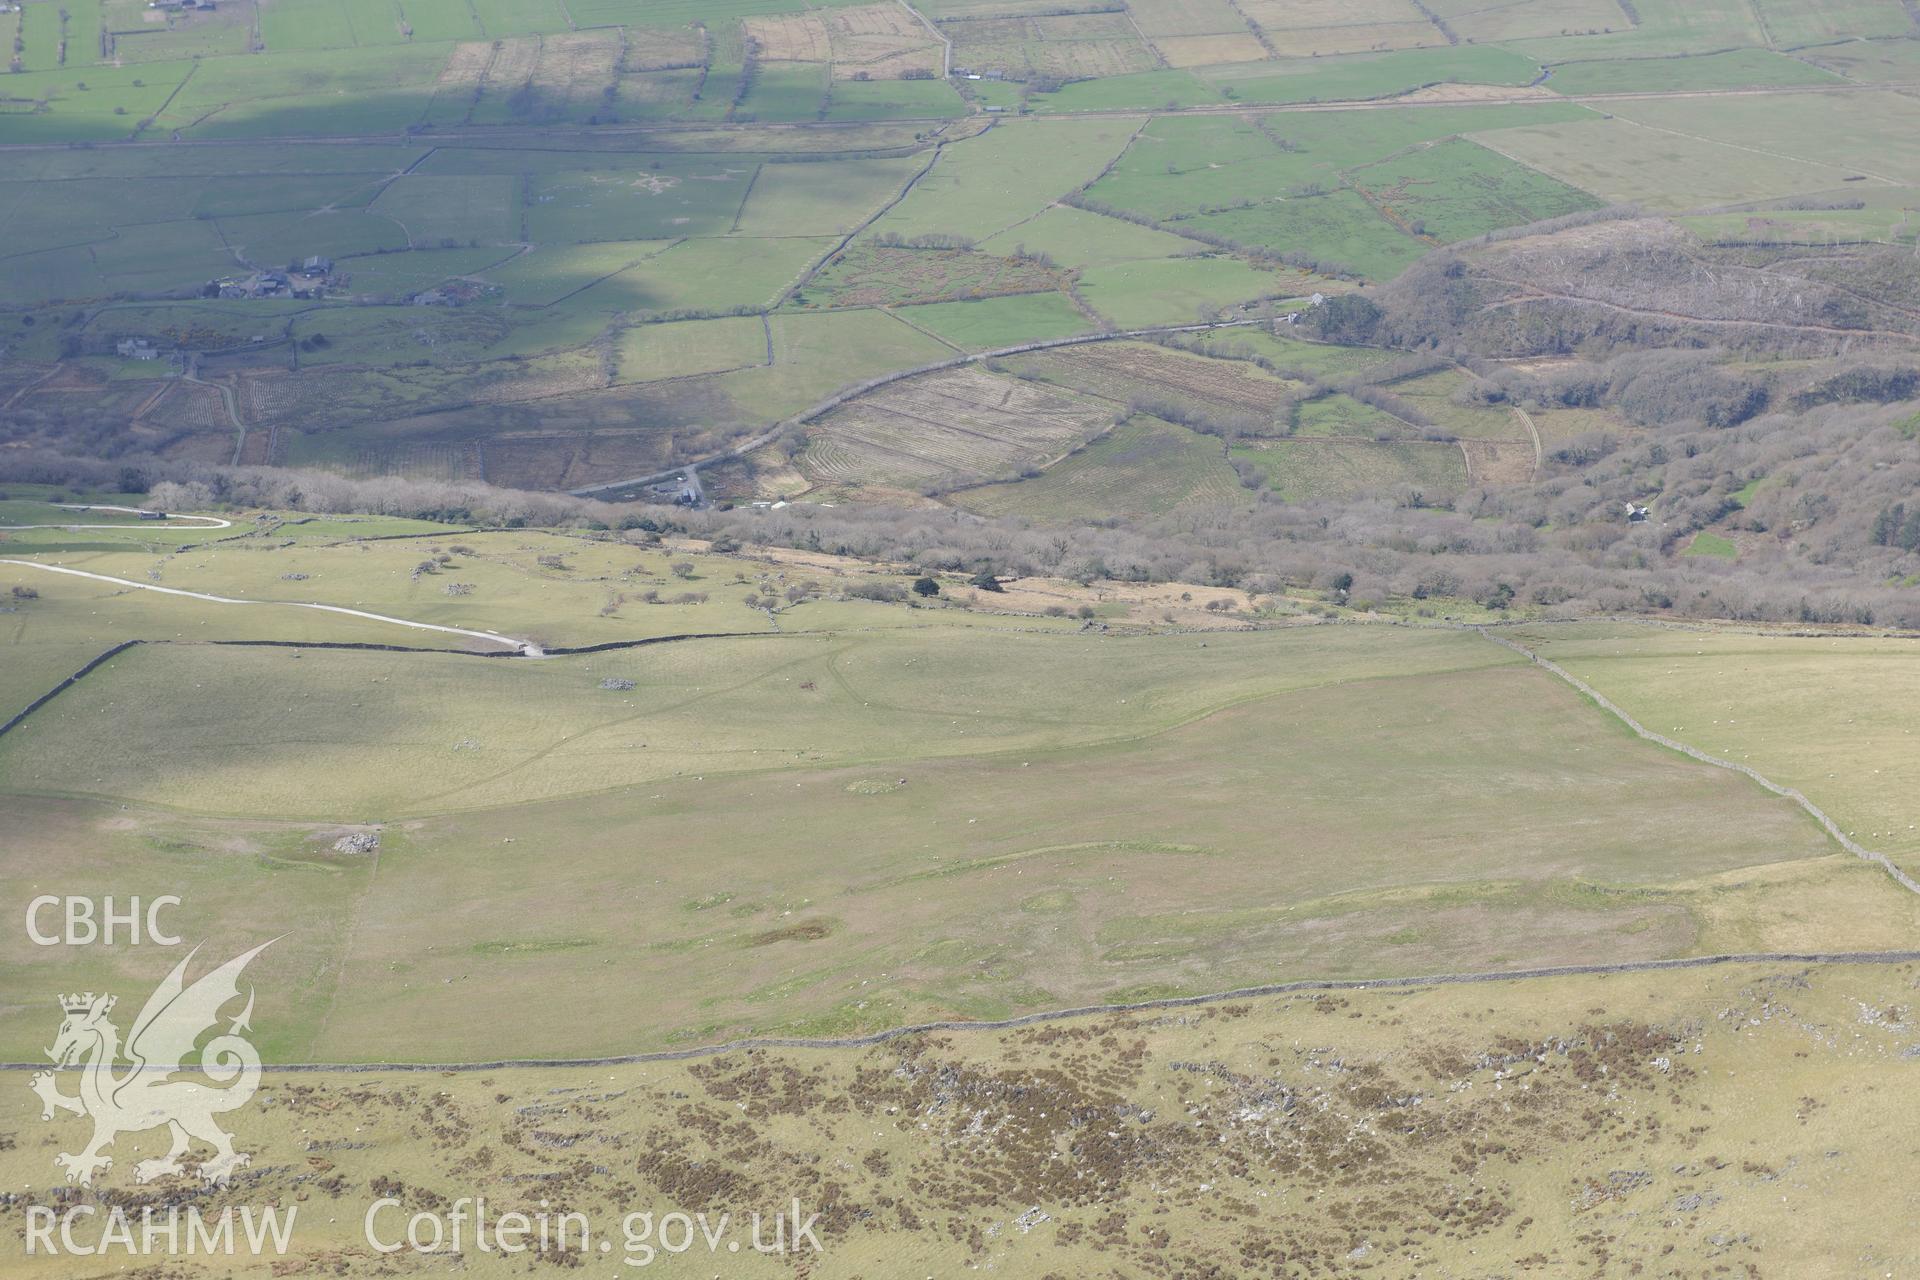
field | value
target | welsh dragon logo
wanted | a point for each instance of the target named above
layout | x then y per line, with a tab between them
144	1096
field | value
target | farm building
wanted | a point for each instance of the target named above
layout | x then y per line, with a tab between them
266	284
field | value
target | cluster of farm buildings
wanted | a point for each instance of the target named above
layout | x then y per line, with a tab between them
308	279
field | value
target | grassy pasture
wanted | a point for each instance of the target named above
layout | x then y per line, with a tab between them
1801	226
1664	28
203	35
982	324
1295	357
512	591
1303	469
545	275
260	160
275	239
1811	22
1175	290
874	275
1142	91
687	347
1621	160
522	729
1340	228
1142	467
1871	62
163	255
1734	69
1179	164
1172	812
785	91
51	106
393	275
1282	183
89	209
1478	23
1833	717
1712	544
308	91
1076	238
46	639
465	209
1434	394
656	95
670	197
987	184
851	345
441	20
280	193
1872	134
1457	189
1342	416
1372	75
893	99
820	198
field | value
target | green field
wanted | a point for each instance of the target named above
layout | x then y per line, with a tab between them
1130	784
1618	159
1833	717
1013	171
987	323
1712	544
684	348
1365	191
1076	238
1798	226
1141	467
1304	469
1373	75
1738	69
1176	291
884	275
822	198
1341	415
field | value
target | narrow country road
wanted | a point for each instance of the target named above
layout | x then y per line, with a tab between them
527	648
199	522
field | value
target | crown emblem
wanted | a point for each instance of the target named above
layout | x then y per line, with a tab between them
82	1003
